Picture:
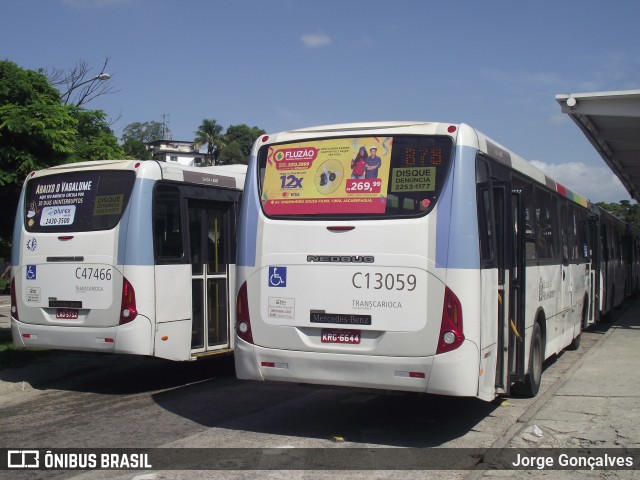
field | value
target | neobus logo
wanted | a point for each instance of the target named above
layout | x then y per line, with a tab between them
340	258
296	154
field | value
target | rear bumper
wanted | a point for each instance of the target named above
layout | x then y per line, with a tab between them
132	338
454	373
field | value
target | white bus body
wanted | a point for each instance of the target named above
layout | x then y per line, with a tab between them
613	263
126	257
455	269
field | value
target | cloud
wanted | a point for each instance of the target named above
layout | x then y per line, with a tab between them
613	70
315	40
609	70
598	184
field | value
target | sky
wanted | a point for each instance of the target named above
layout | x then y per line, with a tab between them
285	64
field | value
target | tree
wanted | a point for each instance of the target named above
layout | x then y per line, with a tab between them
38	131
633	215
79	85
209	133
136	149
617	209
623	210
145	132
232	154
94	140
136	135
244	136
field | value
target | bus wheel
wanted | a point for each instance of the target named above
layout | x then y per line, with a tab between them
532	380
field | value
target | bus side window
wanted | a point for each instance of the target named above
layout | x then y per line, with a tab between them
545	225
485	214
526	190
167	219
565	232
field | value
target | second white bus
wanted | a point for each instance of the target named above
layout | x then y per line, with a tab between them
133	257
449	265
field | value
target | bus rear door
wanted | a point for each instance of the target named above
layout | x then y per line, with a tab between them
194	250
210	238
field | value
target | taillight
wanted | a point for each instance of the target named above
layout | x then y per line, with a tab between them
243	323
451	336
14	304
128	311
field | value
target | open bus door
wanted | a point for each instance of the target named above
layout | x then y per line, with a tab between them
516	248
510	224
210	228
595	242
172	276
194	250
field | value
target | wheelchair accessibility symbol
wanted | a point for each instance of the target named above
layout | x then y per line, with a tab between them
31	272
277	276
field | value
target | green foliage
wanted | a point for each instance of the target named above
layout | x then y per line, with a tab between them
232	154
244	136
633	215
234	146
210	133
24	87
136	135
145	132
37	131
95	140
135	149
623	210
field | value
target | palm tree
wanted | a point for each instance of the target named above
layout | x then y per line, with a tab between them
209	132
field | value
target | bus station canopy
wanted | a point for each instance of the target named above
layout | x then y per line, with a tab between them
611	122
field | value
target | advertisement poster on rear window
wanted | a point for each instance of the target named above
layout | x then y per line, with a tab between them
335	176
77	201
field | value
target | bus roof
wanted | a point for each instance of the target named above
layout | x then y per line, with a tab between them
229	176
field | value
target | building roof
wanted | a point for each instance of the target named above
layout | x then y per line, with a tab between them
181	142
611	122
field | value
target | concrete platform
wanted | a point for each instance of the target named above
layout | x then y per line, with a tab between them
595	406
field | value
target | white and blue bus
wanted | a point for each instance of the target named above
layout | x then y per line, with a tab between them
133	257
615	261
447	265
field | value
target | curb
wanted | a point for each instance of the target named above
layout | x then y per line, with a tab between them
536	406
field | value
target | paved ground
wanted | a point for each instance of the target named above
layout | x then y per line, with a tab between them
595	407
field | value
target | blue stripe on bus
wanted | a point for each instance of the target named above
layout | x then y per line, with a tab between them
18	225
457	243
248	226
135	241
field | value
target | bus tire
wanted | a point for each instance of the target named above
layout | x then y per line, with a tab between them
532	380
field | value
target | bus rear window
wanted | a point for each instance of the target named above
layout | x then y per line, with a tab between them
354	177
77	201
